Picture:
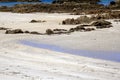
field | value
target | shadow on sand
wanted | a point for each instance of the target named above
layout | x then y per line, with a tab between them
106	55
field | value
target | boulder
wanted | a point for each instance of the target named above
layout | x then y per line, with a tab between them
26	32
101	23
49	32
16	31
33	21
34	32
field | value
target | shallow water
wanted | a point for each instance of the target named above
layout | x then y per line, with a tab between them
14	3
105	2
106	55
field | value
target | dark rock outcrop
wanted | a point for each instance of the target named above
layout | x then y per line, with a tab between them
49	31
26	32
33	21
81	28
16	31
102	24
2	28
60	31
37	21
35	32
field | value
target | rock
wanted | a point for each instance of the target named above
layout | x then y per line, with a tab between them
36	21
79	28
49	32
33	21
63	22
102	24
26	32
34	32
89	29
16	31
56	31
59	30
68	21
2	28
71	30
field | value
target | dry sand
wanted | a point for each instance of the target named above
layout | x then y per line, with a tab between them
24	62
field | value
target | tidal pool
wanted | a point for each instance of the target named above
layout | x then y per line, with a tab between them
106	55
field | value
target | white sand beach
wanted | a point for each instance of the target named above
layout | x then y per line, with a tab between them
26	62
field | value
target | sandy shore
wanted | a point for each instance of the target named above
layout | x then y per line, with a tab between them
24	62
